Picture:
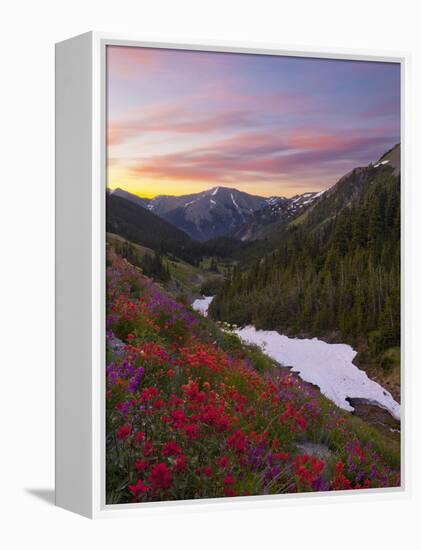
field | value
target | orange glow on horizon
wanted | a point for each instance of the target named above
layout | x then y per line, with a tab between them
148	187
176	188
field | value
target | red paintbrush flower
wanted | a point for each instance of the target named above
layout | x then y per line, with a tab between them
160	477
171	449
148	449
207	470
139	437
139	489
229	480
191	431
123	432
140	465
302	424
222	462
179	418
180	463
237	441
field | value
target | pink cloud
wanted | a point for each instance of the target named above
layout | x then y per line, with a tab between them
264	156
174	119
215	108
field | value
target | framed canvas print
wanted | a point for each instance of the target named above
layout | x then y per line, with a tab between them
229	252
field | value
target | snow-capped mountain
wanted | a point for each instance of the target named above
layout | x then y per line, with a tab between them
278	210
212	213
293	205
221	210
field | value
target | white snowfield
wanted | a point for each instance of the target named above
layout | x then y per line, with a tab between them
328	366
380	163
202	305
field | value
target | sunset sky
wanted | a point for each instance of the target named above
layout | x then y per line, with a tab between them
183	121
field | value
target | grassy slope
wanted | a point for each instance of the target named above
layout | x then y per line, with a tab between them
237	409
113	239
186	279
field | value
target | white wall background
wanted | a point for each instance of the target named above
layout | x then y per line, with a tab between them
28	32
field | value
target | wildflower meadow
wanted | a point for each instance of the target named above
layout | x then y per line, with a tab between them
193	413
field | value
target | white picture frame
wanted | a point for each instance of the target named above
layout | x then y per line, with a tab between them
80	277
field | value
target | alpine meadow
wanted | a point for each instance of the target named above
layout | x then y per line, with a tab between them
253	275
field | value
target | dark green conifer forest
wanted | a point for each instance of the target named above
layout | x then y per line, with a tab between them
337	272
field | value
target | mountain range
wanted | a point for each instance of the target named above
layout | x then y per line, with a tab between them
223	211
228	222
333	271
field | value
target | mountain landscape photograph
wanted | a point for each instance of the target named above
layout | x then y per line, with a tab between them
253	269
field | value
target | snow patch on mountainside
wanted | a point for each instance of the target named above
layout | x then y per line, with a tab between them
328	366
274	200
202	305
234	203
380	163
189	203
